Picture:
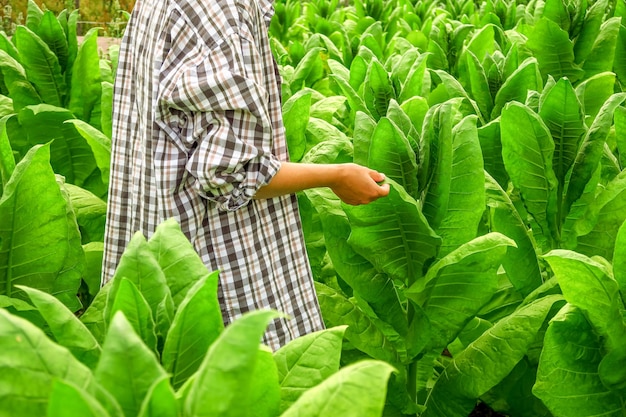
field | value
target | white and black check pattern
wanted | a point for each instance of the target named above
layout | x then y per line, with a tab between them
197	131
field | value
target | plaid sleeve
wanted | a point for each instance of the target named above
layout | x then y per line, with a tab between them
227	128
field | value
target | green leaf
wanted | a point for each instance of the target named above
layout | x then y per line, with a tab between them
393	234
19	88
377	289
33	15
100	145
377	90
68	400
591	149
51	32
296	112
71	156
487	360
524	79
307	361
41	66
128	300
619	260
554	51
93	266
196	325
589	286
597	229
7	160
223	381
594	92
40	243
556	10
177	259
602	55
362	332
86	89
357	390
67	330
457	286
338	74
160	400
106	109
90	213
528	160
562	113
455	198
520	263
491	148
479	84
30	363
417	81
139	265
127	367
389	151
593	18
568	381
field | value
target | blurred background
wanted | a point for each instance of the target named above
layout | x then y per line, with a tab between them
106	14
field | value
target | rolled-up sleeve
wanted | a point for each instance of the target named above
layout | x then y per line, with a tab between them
226	129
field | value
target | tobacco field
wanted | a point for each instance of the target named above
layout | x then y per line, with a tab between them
493	274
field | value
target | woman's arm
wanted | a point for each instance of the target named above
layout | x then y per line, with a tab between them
353	184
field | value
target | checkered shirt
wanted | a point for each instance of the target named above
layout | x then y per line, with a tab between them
197	130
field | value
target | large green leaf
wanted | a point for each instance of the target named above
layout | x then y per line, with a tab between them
296	112
524	79
458	285
128	300
90	213
340	75
562	113
196	325
14	78
487	360
160	400
66	328
30	363
520	263
40	243
589	286
177	258
478	84
51	32
417	81
127	367
70	154
455	198
69	400
593	92
593	18
100	145
377	90
597	229
86	89
554	51
568	381
307	361
41	66
602	54
393	234
362	332
591	149
358	390
7	160
224	381
527	151
377	289
389	151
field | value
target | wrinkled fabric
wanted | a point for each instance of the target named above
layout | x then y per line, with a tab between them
197	130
